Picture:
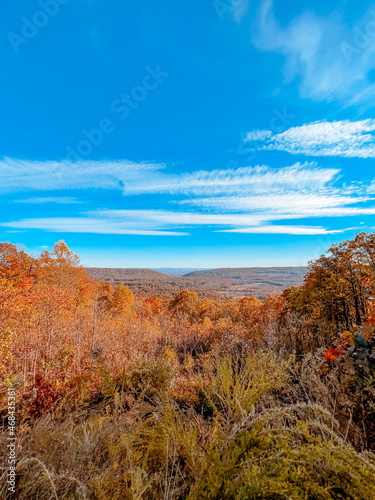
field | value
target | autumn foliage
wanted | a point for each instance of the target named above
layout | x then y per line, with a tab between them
154	381
56	324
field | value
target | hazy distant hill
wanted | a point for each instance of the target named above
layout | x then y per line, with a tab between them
241	273
113	274
229	282
177	271
258	281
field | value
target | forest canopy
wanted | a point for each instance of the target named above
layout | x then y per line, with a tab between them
189	396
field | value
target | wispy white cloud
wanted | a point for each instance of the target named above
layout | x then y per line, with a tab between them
171	223
232	199
129	222
236	181
147	178
258	135
298	194
287	203
165	218
296	230
33	175
294	193
57	200
340	138
86	225
330	56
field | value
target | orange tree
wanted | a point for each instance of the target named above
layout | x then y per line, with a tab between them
338	285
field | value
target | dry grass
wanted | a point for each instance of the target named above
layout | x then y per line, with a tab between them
241	439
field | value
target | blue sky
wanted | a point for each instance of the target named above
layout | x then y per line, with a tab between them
187	134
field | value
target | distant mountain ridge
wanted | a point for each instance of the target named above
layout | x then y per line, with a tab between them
248	272
179	271
119	274
228	282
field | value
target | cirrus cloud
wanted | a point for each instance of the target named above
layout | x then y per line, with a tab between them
254	200
328	57
345	138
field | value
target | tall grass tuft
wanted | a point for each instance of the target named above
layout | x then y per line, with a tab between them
141	443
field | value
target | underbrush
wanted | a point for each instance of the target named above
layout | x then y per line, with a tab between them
246	425
123	397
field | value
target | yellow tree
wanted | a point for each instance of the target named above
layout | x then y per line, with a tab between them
186	302
122	300
249	310
61	267
15	264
